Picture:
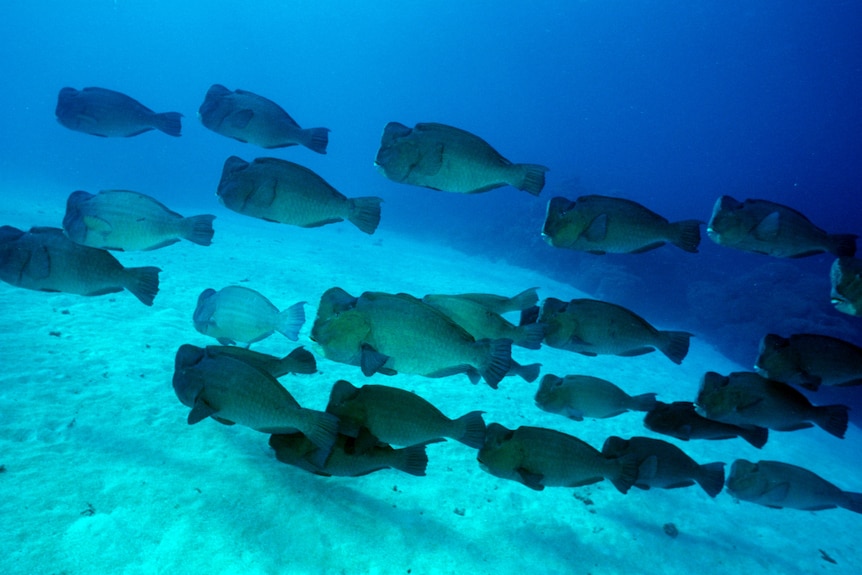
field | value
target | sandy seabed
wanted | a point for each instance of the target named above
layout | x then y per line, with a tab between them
102	474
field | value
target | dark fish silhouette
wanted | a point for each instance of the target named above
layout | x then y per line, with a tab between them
107	113
846	278
810	360
681	420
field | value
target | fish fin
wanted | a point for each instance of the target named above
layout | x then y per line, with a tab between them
643	402
364	213
687	235
597	231
223	421
530	315
809	381
39	264
225	341
530	479
531	178
200	411
682	483
777	493
647	469
526	299
321	429
199	229
648	247
795	426
149	248
241	118
299	360
412	460
853	501
588	353
574	414
530	336
263	195
430	161
583	482
711	478
684	433
675	344
636	352
843	245
767	229
496	364
342	391
142	282
97	225
290	321
316	139
471	428
371	360
170	123
102	291
849	383
756	436
628	473
833	419
473	375
528	373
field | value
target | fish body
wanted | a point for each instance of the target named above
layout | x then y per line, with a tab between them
502	304
782	485
110	114
299	360
281	191
231	391
593	327
765	227
681	420
399	417
129	221
747	399
539	458
398	333
602	224
449	159
810	360
45	259
253	119
580	396
846	278
664	465
239	314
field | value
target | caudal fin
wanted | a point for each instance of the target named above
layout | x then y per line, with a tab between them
688	235
143	283
853	502
412	460
843	245
496	363
365	213
833	419
471	429
627	473
675	345
643	402
317	139
711	478
199	229
756	436
524	300
529	336
299	360
528	373
290	321
169	123
532	178
321	429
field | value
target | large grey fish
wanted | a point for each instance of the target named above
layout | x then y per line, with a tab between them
347	458
281	191
747	399
231	391
240	314
592	327
481	322
764	227
810	360
253	119
539	458
846	278
580	396
128	221
398	333
779	485
681	420
502	304
107	113
449	159
45	259
300	360
399	417
602	224
662	464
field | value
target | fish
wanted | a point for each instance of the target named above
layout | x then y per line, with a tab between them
300	360
44	259
240	314
748	399
481	322
502	304
765	227
398	333
681	420
662	464
280	191
782	485
110	114
450	159
810	360
129	221
233	391
528	373
399	417
846	278
580	396
592	327
603	224
253	119
538	457
346	458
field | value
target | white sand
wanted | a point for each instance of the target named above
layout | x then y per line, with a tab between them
103	474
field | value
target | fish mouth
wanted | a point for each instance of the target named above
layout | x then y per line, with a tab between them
548	239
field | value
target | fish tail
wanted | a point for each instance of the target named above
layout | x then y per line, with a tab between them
530	336
290	321
471	429
756	436
496	363
688	235
169	123
627	473
143	283
530	315
711	478
317	139
199	229
364	213
675	345
843	245
833	419
643	402
528	373
299	360
321	429
524	300
853	501
412	460
532	178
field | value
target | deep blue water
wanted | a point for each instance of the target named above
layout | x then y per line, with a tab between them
670	104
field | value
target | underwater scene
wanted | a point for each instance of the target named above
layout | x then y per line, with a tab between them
431	288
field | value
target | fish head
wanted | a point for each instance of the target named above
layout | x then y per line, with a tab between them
69	107
216	106
187	381
744	480
204	311
729	222
546	396
341	337
713	397
233	188
497	455
776	357
399	154
615	447
564	222
333	302
846	278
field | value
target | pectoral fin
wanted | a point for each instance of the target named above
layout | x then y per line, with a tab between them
530	479
200	411
371	360
597	231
